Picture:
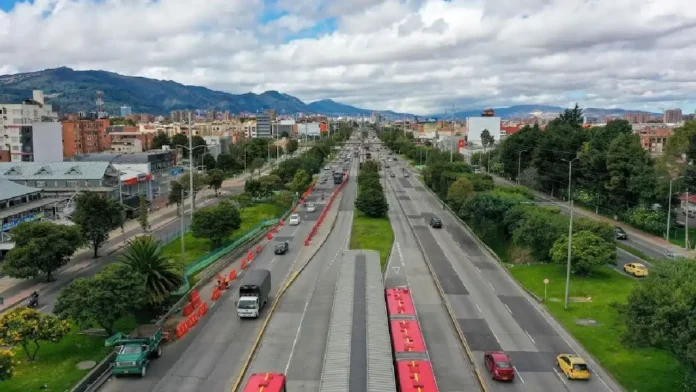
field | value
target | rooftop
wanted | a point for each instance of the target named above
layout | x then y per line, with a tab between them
138	157
10	190
54	170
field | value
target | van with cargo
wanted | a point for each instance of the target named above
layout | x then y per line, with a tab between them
253	293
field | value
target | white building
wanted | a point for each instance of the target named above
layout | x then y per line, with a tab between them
476	125
310	129
17	137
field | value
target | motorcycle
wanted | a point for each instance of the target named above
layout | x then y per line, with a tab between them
33	303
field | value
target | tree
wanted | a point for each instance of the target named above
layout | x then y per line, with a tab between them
573	117
292	146
269	184
97	216
180	140
27	327
209	162
530	178
487	139
372	202
632	174
162	275
161	139
516	150
214	179
659	312
458	192
284	134
484	211
588	251
40	249
256	163
143	213
175	194
115	292
558	142
300	182
216	223
198	182
198	152
225	162
242	200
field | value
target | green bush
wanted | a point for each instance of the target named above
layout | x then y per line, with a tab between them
6	365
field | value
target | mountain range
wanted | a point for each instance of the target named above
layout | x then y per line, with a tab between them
75	91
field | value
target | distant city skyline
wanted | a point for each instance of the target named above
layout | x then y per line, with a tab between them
415	56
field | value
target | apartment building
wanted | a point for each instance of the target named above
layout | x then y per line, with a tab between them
263	126
672	116
654	140
637	118
29	131
82	136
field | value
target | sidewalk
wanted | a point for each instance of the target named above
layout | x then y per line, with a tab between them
17	290
637	233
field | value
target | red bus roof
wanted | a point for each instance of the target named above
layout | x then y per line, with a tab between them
265	382
399	302
415	376
406	336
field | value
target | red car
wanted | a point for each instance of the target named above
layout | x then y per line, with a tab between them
499	366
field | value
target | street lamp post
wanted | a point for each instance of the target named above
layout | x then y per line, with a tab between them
519	164
190	150
570	228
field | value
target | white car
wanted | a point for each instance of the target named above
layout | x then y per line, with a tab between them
294	220
311	207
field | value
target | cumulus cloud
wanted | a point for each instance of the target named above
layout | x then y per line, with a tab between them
418	56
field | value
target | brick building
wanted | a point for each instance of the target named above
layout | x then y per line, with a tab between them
85	137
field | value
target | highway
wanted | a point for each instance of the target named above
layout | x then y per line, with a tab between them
210	356
295	341
493	312
406	267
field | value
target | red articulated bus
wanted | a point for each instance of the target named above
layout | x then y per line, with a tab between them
415	376
400	303
265	382
407	339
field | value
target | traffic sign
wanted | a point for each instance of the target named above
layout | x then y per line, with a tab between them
396	270
546	281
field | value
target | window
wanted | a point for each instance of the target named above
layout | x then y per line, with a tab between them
15	148
14	139
72	184
40	184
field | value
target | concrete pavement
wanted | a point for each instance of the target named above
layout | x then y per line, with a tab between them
210	356
492	311
406	267
165	225
295	340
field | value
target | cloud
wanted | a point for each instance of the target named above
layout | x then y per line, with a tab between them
419	56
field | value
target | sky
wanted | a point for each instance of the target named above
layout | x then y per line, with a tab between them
415	56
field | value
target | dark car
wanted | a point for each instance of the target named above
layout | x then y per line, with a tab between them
436	222
620	233
282	247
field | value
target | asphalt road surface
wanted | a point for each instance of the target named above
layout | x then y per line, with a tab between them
295	341
493	312
210	357
406	267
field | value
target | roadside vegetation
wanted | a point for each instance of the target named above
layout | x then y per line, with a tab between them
640	331
371	227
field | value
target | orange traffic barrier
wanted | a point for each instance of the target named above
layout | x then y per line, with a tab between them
282	221
306	242
202	310
194	295
188	309
233	274
181	330
244	263
216	294
270	235
258	249
250	256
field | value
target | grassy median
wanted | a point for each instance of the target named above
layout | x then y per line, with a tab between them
198	247
56	363
373	234
634	369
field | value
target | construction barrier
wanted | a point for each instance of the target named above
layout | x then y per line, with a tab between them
250	256
258	249
282	221
216	294
244	264
233	274
270	235
188	309
202	310
181	330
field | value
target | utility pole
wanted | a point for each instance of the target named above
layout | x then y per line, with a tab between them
193	196
570	229
181	235
669	208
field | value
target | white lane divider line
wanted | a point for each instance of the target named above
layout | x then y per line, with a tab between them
530	337
492	288
519	375
559	375
479	270
508	308
479	308
496	338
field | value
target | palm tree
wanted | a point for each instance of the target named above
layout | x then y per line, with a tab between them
163	275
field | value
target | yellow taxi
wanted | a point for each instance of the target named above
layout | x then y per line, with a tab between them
573	366
636	269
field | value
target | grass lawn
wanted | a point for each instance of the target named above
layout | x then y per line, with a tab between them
197	247
364	235
634	369
56	364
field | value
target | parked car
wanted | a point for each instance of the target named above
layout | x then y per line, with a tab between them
636	269
436	222
573	366
674	255
294	220
311	207
282	248
620	233
406	174
499	366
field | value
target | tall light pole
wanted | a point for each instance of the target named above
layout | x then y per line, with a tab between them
669	206
570	227
190	172
519	164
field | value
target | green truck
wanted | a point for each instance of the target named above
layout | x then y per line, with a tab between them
134	351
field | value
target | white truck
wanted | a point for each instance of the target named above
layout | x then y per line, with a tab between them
253	293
